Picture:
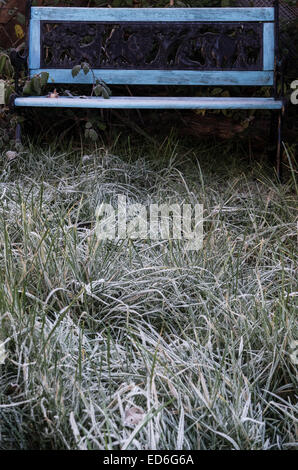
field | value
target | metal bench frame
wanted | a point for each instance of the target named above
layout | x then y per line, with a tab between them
157	46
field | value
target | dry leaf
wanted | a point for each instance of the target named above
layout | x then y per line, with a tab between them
11	155
133	416
86	158
54	94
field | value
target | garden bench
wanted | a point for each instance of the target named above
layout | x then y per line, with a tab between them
158	46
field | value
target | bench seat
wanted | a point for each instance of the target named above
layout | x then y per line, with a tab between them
134	102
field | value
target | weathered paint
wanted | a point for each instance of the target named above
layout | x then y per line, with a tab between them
34	44
153	14
162	77
268	46
134	102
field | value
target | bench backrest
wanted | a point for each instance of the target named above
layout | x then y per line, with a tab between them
158	46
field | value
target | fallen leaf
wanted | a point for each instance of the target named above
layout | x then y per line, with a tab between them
54	94
11	155
133	416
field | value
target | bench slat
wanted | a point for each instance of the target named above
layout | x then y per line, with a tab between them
268	46
151	102
162	77
153	14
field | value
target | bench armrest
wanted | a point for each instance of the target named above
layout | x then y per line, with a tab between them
280	69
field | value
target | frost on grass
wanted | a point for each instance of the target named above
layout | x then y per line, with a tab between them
139	344
2	352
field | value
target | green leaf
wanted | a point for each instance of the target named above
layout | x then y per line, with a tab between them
8	91
104	85
98	90
44	76
101	125
75	71
216	91
93	135
107	88
21	18
3	58
36	85
27	90
105	94
85	68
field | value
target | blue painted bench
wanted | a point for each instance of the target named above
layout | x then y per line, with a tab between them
158	46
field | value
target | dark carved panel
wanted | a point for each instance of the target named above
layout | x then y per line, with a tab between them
152	45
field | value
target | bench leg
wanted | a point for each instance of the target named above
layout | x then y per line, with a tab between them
18	133
278	161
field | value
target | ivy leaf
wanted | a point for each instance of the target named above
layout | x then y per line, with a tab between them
44	76
101	125
27	90
93	135
36	85
98	90
8	91
216	91
107	88
75	71
3	58
21	18
85	68
104	85
105	94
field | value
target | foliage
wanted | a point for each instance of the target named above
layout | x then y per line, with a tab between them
36	85
6	69
99	87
